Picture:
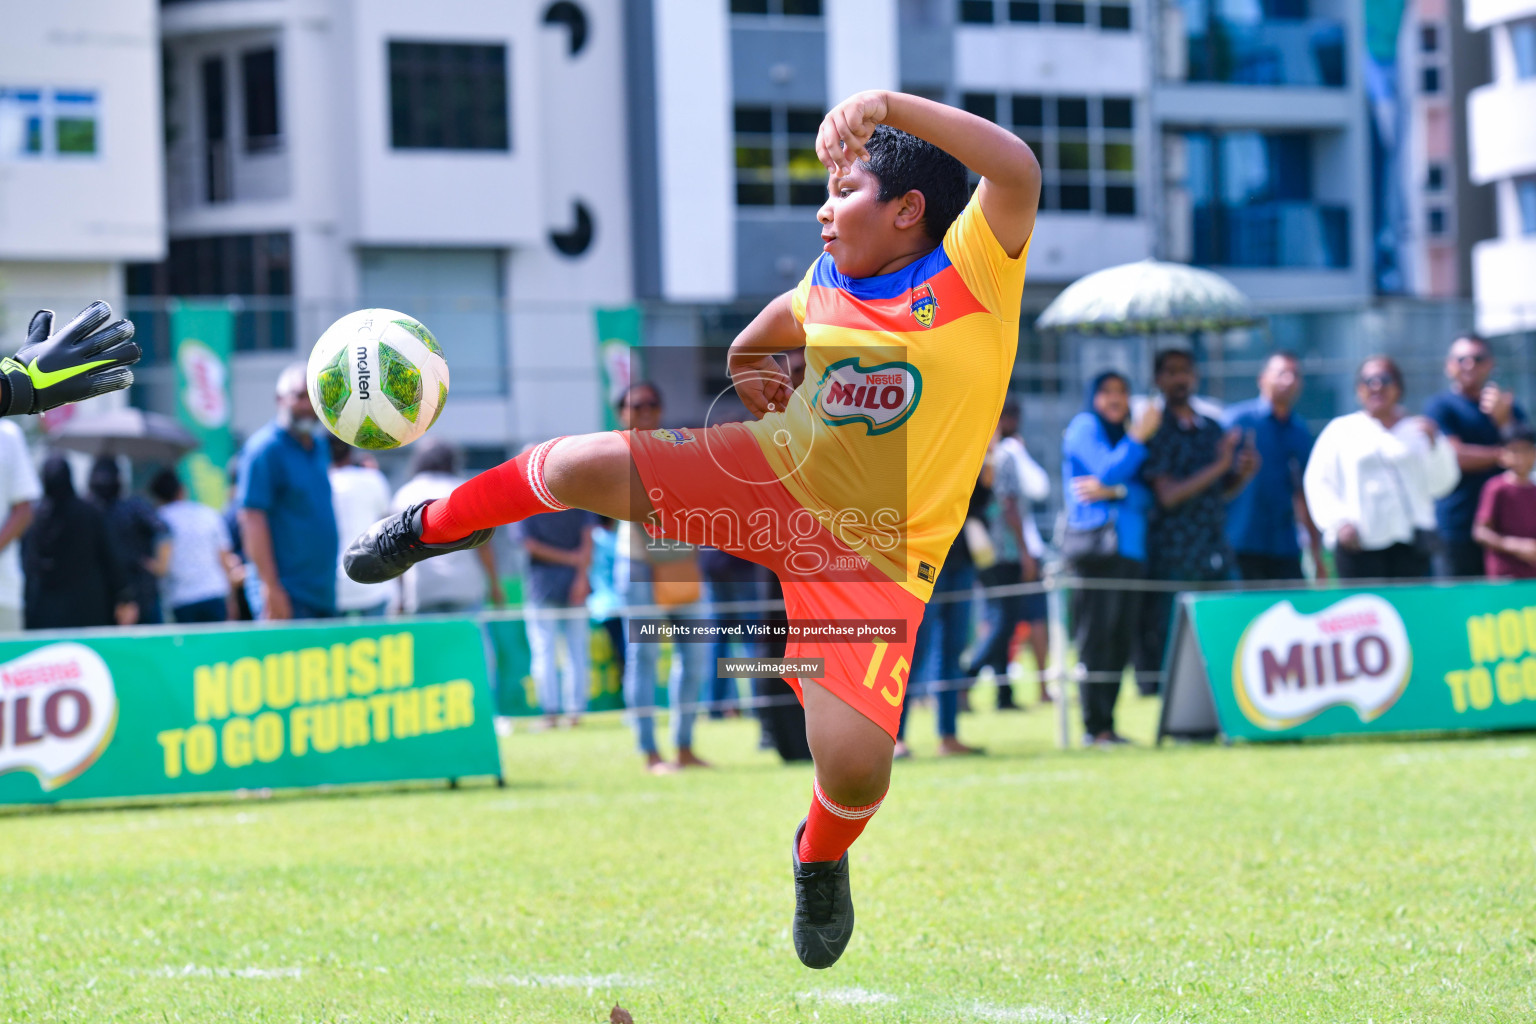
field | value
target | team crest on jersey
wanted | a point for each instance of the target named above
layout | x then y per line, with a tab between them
675	436
881	397
924	306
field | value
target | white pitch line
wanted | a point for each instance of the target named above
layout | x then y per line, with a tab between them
586	981
258	973
849	997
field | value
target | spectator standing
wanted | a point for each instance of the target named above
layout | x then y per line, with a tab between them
460	581
1017	480
287	520
74	578
604	604
1505	524
668	575
359	498
941	639
1470	413
1193	469
1373	480
555	588
19	489
199	581
1263	518
729	580
231	516
139	538
1105	538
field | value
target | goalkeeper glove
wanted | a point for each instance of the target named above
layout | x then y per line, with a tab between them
89	357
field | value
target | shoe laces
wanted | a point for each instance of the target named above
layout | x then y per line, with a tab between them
398	538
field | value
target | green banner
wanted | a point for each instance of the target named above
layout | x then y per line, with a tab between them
517	694
100	714
202	339
1293	664
618	356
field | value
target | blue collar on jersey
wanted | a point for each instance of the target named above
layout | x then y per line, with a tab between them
883	286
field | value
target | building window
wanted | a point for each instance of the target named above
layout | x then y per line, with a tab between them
776	162
982	104
1434	220
448	96
1522	38
1525	198
1434	178
74	122
1429	38
42	122
1251	203
258	77
787	8
1109	15
1085	144
258	268
976	12
1429	81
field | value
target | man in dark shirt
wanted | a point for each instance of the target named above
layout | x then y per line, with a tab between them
1262	519
1471	413
1193	468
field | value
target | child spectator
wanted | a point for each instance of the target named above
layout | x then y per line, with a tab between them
1505	524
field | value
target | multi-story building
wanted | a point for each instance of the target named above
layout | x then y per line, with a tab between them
80	166
461	161
1442	213
1502	134
1259	109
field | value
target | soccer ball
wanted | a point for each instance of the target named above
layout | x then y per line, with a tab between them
378	379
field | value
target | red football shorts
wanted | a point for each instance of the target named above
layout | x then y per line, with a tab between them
712	487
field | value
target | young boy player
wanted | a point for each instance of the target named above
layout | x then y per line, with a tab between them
850	488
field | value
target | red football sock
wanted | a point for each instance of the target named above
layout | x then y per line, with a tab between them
831	828
511	492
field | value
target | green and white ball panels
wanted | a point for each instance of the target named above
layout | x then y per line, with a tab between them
378	378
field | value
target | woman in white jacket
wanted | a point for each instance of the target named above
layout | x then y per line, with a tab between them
1373	478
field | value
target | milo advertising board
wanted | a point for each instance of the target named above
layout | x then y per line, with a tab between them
153	712
1291	664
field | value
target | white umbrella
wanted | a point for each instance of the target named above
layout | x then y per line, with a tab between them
1148	297
142	436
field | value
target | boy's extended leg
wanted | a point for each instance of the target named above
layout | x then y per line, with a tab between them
591	471
853	772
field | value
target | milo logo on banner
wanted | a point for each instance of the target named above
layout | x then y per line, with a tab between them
1290	667
58	711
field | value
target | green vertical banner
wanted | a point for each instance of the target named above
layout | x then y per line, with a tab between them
202	339
618	356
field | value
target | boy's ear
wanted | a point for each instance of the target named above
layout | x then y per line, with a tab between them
910	209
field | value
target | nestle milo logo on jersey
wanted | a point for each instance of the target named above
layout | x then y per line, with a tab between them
881	396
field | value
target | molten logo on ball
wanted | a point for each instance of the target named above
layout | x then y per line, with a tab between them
1291	667
58	711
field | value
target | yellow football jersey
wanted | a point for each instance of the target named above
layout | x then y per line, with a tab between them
905	377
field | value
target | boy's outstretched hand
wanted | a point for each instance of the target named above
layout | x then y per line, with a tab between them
847	127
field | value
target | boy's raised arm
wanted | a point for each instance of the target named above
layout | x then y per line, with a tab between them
1010	174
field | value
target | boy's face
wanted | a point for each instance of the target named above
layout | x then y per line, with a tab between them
1519	457
862	233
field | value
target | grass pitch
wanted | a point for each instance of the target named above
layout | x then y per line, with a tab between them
1328	882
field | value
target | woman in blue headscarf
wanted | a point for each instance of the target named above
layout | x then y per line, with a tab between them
1106	510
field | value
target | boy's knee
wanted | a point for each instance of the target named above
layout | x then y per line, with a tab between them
855	778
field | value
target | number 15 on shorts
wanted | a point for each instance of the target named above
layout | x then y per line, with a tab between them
897	674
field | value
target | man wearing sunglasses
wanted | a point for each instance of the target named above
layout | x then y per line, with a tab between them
1471	412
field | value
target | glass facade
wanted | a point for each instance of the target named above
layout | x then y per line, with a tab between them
1262	42
1251	203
